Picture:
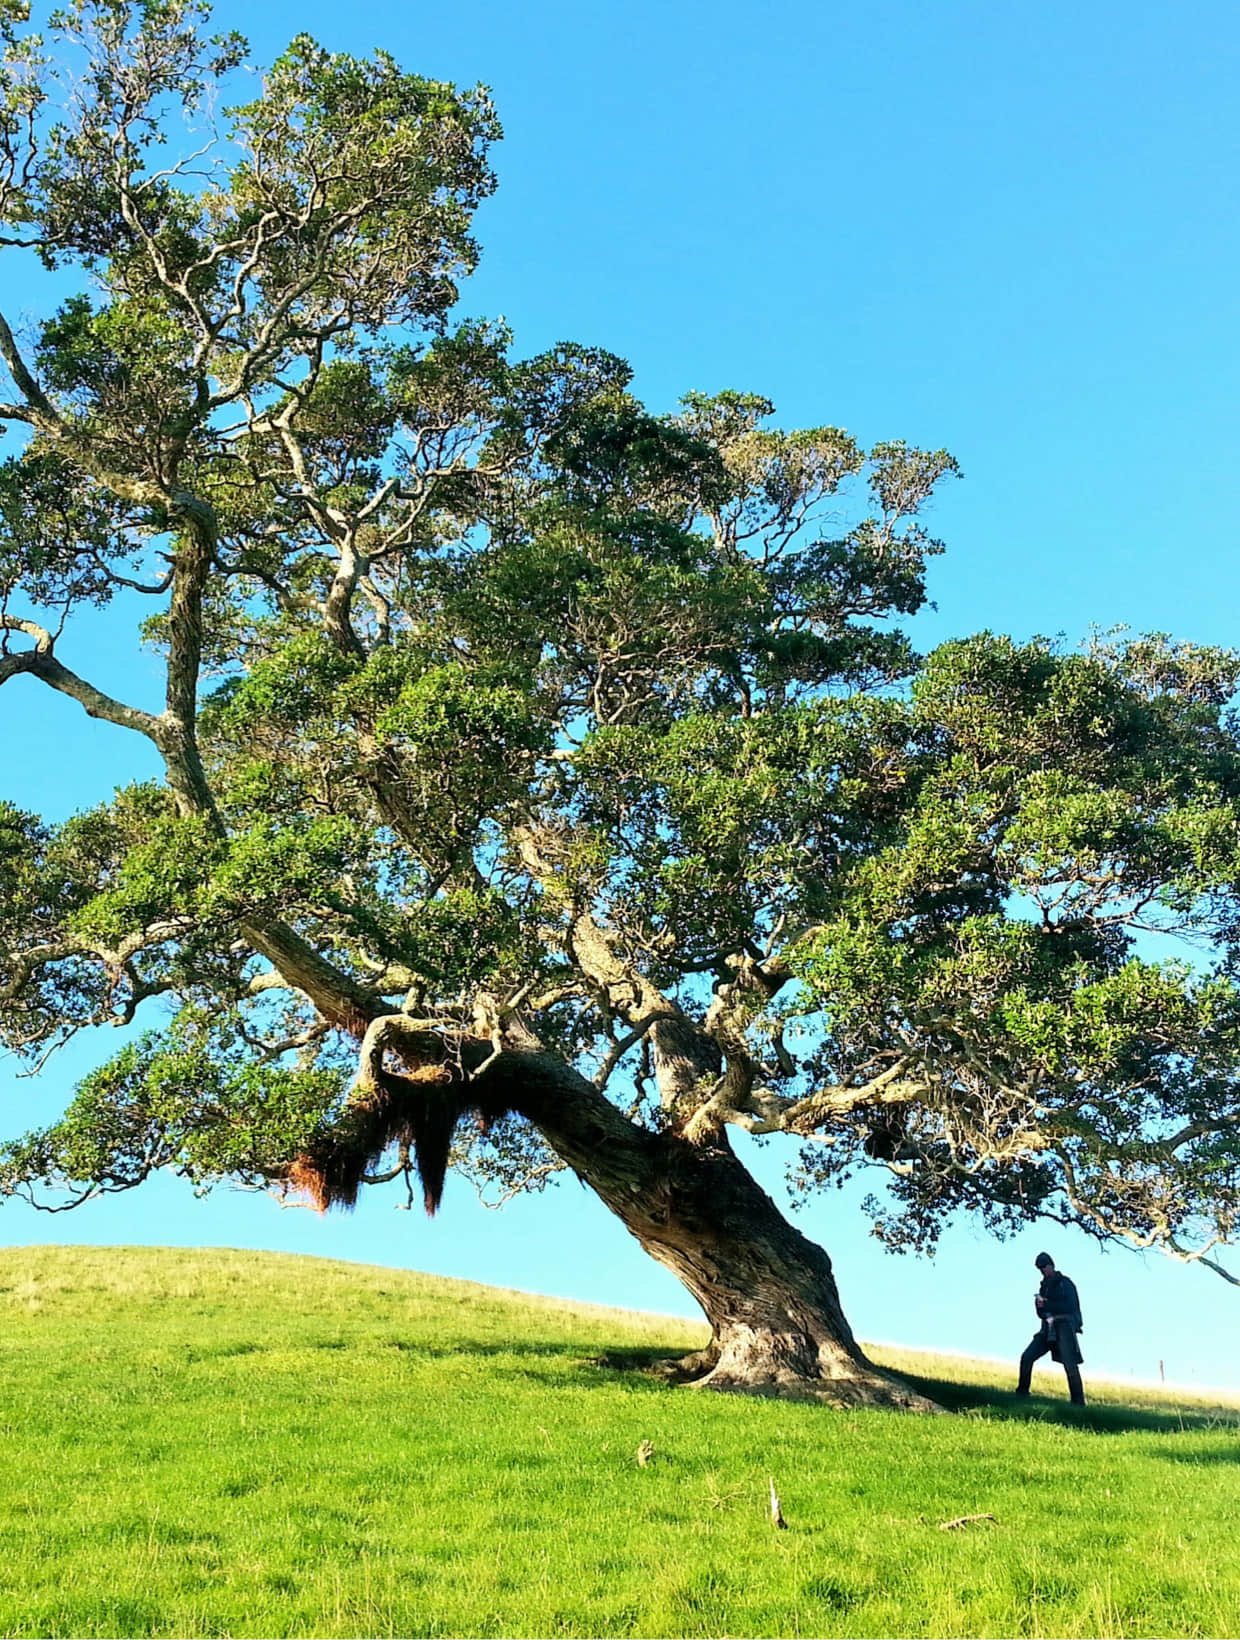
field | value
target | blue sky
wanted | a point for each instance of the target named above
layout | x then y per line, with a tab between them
1009	230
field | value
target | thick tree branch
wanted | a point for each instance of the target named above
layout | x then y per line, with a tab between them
766	1112
40	409
41	662
338	998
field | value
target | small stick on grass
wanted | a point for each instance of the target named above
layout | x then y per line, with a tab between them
963	1520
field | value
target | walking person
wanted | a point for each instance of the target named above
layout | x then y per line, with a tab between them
1059	1312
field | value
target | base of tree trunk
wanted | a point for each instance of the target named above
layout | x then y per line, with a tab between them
766	1291
755	1368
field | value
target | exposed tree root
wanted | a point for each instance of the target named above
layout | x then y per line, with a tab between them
846	1383
865	1389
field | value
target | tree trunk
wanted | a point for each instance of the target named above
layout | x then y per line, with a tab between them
768	1292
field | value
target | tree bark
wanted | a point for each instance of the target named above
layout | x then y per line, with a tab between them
769	1294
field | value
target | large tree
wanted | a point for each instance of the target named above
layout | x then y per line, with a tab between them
546	781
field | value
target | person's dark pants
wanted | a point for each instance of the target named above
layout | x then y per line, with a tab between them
1041	1344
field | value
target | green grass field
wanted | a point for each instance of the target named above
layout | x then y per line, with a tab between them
227	1443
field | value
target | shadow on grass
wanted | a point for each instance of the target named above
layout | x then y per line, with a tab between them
627	1358
1217	1455
1101	1417
517	1347
647	1369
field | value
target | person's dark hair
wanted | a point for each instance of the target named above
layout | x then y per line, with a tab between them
1042	1260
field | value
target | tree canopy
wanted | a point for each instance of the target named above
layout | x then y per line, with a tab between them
548	780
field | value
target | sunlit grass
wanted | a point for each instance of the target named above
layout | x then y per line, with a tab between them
219	1443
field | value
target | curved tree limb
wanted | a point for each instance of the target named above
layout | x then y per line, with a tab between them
41	662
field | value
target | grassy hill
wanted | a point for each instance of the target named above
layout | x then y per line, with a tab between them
229	1443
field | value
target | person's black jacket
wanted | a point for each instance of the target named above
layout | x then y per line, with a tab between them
1058	1296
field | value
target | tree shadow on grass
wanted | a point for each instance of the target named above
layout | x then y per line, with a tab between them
543	1349
985	1401
626	1358
658	1371
1215	1455
1100	1417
